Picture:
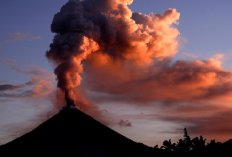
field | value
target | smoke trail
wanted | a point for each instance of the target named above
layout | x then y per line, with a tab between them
107	28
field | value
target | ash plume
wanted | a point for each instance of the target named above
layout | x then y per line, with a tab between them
102	31
128	57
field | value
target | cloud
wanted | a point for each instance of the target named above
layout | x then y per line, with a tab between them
5	100
125	123
191	80
6	62
2	81
7	87
18	36
190	55
10	87
41	82
194	94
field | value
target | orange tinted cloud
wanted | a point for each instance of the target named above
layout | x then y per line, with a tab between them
191	93
191	80
41	82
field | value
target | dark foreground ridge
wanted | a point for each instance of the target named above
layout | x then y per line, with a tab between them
73	133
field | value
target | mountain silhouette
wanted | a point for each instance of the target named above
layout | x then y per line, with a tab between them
74	133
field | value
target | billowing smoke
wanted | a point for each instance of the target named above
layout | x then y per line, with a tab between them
127	58
102	31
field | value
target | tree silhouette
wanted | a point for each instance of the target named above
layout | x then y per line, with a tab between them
198	144
187	141
186	145
173	147
213	144
195	146
167	145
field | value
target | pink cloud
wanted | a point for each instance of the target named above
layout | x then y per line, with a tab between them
18	36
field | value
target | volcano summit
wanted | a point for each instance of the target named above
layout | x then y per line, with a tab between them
73	133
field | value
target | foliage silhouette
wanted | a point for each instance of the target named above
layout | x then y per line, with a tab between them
188	145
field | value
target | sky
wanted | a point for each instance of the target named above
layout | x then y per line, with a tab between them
193	89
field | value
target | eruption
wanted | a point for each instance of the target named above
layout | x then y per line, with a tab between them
103	31
69	101
128	57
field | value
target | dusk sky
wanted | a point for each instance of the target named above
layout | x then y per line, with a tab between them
186	82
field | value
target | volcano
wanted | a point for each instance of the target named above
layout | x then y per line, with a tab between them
74	133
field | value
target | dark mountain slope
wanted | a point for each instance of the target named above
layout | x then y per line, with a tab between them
72	132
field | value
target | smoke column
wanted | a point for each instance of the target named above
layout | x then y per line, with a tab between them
107	28
128	57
